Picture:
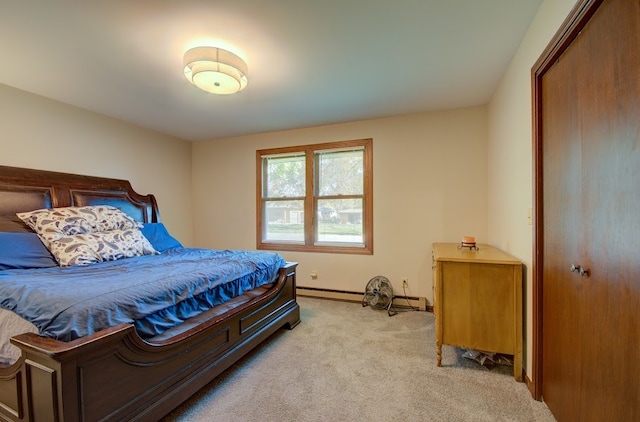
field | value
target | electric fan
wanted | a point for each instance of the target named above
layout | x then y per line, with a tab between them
379	294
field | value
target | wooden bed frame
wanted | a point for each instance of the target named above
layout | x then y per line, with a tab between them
114	374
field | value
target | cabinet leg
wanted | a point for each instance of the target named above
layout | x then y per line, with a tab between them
439	353
517	366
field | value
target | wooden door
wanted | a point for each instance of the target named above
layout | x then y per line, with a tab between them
563	295
589	129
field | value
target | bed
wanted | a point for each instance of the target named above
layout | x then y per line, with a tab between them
122	372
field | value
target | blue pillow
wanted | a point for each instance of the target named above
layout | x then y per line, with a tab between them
159	237
20	250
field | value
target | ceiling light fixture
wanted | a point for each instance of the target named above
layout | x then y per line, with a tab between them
215	70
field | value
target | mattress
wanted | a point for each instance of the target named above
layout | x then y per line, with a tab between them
154	292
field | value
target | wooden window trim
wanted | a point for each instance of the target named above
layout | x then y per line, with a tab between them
311	199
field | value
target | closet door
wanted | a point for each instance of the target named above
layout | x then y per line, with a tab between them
564	233
591	217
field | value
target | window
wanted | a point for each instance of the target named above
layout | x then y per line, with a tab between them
316	197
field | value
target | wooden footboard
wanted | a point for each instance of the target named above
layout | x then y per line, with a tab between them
115	375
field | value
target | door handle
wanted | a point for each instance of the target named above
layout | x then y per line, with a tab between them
584	272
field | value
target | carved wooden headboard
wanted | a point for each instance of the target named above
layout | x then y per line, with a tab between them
26	190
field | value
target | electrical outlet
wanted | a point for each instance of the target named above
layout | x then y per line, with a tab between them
405	281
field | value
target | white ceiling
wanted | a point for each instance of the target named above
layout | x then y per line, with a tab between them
311	62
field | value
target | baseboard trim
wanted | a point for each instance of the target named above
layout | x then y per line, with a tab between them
530	386
398	301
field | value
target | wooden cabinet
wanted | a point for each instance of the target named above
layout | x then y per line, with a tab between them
478	300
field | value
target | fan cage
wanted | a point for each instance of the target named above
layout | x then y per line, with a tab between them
378	294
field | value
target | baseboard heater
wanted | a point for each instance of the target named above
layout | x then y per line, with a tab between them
398	301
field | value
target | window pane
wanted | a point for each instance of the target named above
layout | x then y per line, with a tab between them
284	221
285	176
330	211
340	221
340	172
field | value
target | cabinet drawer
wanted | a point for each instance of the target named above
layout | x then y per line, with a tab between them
478	306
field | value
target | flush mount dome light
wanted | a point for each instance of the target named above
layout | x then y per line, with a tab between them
215	70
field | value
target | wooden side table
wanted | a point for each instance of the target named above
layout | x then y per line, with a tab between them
478	300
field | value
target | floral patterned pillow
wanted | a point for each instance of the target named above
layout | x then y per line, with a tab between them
53	224
90	248
86	235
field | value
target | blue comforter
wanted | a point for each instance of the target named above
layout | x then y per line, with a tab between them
154	292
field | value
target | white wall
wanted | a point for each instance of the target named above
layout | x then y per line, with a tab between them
510	150
430	185
44	134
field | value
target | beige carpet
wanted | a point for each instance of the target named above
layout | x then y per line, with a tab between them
349	363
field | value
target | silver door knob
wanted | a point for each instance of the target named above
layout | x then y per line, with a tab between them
584	272
575	268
